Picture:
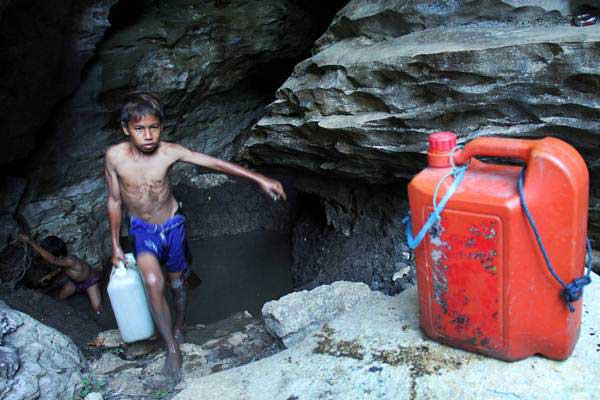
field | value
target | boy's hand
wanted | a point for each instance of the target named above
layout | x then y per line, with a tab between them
273	188
118	256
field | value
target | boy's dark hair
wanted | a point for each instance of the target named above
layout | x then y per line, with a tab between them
55	245
139	104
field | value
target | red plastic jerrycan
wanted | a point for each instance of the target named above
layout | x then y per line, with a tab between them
482	280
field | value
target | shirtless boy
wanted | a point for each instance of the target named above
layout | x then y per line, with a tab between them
82	278
137	171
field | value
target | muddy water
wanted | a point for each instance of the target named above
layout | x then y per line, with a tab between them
238	273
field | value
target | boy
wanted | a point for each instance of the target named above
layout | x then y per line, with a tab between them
137	171
82	278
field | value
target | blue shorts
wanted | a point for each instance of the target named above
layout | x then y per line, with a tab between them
166	242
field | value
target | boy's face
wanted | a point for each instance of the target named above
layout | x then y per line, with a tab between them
144	133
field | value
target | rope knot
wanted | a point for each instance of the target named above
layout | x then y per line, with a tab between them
574	291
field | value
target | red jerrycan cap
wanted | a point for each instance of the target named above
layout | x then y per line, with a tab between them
442	141
440	146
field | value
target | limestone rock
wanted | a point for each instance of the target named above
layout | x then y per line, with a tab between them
376	350
47	44
9	362
298	314
94	396
49	364
76	214
387	19
388	73
109	339
11	191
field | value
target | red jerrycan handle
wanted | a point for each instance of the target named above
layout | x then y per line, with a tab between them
496	147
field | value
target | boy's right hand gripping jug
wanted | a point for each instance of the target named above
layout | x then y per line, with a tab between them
129	302
483	281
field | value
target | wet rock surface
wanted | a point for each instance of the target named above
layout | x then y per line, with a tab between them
387	74
80	326
36	361
134	371
298	314
376	350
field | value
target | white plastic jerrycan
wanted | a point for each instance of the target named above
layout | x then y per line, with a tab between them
129	302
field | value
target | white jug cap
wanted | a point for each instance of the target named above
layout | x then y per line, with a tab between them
130	258
121	271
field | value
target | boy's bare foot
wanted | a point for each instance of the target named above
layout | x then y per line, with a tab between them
178	334
172	367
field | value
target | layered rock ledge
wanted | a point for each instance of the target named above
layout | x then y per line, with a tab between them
363	105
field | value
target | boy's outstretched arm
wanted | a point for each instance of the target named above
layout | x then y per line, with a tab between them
65	262
114	208
270	186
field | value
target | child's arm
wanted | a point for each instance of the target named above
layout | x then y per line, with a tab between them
270	186
64	262
114	208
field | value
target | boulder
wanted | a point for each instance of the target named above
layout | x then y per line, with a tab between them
36	361
376	350
298	314
387	74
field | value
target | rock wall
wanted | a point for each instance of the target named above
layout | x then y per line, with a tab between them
36	362
45	46
351	232
388	73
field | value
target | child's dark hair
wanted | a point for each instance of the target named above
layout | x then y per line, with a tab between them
139	104
55	245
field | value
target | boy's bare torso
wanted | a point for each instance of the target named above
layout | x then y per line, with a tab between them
144	181
80	271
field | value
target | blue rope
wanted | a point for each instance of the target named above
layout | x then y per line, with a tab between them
572	292
458	173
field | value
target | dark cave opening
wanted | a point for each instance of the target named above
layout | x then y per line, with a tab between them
126	13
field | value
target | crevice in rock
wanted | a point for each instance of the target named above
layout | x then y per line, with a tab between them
125	13
351	230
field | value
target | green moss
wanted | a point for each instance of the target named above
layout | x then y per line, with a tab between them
342	348
421	361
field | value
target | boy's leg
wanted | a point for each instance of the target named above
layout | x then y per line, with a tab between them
178	268
66	291
95	297
155	283
179	288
